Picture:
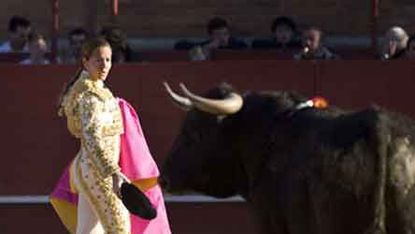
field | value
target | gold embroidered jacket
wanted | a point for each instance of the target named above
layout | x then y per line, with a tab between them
93	115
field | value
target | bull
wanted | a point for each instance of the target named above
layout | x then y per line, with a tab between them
302	169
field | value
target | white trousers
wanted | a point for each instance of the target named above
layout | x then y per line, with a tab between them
100	211
88	222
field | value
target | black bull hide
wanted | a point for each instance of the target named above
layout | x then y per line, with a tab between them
302	170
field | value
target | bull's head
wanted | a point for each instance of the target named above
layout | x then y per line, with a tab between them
200	159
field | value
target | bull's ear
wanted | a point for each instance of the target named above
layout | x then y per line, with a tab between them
182	102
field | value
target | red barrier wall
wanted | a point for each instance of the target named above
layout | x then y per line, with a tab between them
36	145
35	140
358	84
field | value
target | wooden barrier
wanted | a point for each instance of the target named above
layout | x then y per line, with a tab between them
34	138
36	145
358	84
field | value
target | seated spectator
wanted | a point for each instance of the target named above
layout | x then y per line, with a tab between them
37	49
19	30
72	54
121	51
312	46
394	44
219	38
284	36
410	48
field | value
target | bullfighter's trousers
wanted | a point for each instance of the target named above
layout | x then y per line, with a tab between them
99	208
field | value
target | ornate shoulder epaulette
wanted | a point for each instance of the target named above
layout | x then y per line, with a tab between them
70	103
84	84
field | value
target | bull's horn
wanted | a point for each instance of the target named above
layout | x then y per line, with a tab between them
230	105
182	102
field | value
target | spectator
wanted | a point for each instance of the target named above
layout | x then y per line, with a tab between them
19	30
312	46
121	51
72	54
219	38
410	48
284	36
37	49
394	44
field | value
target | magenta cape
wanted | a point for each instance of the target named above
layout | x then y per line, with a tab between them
137	164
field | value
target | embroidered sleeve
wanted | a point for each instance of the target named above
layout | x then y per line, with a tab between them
100	148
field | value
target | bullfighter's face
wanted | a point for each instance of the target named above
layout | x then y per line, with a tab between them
99	64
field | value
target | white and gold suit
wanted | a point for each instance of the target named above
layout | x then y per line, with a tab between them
93	116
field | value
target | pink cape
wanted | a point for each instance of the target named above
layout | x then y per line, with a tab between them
136	163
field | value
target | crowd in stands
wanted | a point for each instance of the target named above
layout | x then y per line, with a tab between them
23	40
285	37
